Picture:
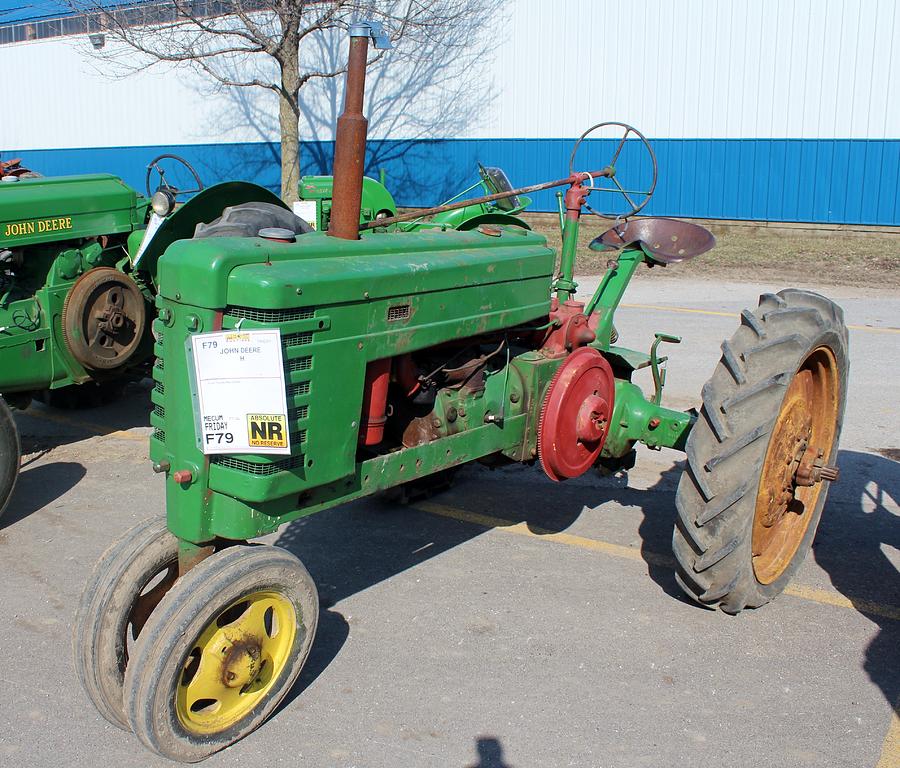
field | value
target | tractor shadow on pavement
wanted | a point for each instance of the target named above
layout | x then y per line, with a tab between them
357	545
362	543
43	428
40	486
48	437
856	529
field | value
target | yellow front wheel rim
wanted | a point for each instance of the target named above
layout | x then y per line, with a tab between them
235	661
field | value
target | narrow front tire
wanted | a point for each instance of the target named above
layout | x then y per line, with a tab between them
220	652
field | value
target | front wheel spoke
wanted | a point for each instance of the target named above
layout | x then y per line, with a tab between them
207	682
253	620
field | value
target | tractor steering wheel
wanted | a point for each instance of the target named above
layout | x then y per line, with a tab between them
640	196
154	165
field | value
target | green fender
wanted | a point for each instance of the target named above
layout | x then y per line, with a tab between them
464	222
202	207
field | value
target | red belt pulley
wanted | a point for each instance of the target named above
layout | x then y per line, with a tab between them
575	416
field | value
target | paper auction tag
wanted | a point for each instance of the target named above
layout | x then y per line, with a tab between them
240	388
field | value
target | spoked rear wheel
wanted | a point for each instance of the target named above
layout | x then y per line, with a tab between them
763	452
10	454
221	651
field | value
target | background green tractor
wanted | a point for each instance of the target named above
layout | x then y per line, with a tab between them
78	278
297	372
317	198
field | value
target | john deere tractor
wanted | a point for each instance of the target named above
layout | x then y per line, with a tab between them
317	192
78	278
296	371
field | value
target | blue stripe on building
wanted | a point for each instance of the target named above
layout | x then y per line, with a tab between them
847	181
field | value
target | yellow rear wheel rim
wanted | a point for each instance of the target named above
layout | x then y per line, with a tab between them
235	661
806	425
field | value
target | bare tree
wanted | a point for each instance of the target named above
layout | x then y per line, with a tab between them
273	44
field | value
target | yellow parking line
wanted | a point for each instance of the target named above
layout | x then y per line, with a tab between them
680	309
688	310
890	750
821	596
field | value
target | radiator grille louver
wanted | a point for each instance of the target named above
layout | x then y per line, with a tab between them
270	315
297	339
250	468
299	364
300	388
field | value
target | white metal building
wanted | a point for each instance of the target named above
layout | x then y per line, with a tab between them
765	109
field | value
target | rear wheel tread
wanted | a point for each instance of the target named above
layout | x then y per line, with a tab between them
716	498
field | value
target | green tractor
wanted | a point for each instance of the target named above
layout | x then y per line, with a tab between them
317	198
78	278
296	372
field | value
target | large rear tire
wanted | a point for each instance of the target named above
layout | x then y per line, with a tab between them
10	455
751	496
246	219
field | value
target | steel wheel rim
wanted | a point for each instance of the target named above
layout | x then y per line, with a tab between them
235	661
806	422
107	342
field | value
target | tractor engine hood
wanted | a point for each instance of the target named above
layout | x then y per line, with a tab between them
41	210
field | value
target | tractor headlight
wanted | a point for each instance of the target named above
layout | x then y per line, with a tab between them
162	202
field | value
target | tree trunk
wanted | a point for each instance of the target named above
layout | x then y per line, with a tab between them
288	119
290	151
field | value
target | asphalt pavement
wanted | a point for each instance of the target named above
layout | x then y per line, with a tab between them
510	621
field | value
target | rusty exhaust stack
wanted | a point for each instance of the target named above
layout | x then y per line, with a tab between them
350	140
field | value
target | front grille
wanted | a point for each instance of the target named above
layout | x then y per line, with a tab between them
270	315
297	339
300	412
299	364
248	467
300	388
160	387
159	410
159	434
159	364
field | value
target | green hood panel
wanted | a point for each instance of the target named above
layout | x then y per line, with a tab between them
41	210
325	270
